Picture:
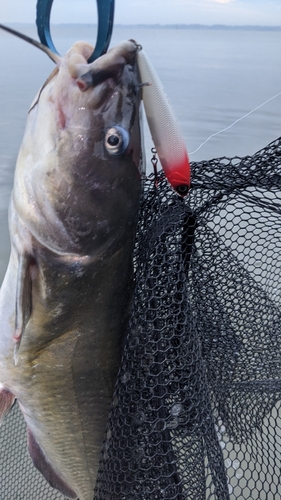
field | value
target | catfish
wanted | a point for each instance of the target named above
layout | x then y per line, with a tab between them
65	299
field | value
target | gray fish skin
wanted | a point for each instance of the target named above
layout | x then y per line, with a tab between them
65	298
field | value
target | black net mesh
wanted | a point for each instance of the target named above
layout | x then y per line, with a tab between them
196	411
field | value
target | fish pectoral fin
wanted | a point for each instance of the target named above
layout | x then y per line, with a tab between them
41	463
7	400
23	298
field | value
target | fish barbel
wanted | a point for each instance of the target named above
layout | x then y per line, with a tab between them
64	301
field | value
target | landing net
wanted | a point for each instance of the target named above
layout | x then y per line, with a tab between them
196	413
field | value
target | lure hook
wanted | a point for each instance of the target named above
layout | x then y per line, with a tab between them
154	161
105	25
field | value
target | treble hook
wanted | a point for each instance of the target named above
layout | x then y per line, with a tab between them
105	25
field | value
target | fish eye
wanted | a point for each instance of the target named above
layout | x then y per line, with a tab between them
116	140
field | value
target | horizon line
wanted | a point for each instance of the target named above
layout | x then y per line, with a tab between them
168	25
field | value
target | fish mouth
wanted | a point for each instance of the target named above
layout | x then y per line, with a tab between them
110	65
74	71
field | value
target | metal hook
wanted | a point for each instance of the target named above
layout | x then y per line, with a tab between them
105	25
154	161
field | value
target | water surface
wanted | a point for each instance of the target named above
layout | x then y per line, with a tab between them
212	77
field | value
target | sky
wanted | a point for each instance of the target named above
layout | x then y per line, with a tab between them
231	12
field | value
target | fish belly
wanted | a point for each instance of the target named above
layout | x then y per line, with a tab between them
67	364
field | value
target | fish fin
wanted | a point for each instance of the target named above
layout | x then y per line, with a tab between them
42	464
7	400
23	300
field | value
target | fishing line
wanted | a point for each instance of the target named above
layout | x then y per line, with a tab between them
234	123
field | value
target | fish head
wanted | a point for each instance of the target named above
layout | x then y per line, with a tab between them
78	175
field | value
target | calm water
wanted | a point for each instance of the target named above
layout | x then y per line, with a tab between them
212	77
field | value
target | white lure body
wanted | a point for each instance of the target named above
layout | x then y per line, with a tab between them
164	127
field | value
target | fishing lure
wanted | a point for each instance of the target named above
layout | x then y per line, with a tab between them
164	127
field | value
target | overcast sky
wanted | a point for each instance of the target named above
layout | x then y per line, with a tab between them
233	12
